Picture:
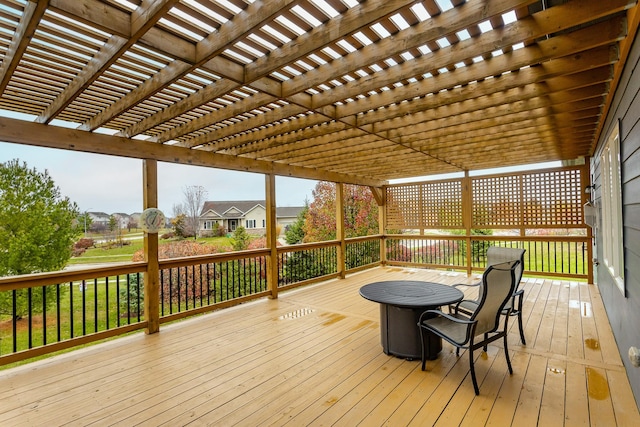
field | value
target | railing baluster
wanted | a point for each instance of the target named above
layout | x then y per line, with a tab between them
193	286
59	320
15	318
95	305
84	308
71	328
138	302
106	301
44	315
30	311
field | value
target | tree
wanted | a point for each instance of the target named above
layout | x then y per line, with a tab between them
361	213
178	224
240	239
194	198
85	221
113	225
37	230
178	209
131	296
294	233
115	229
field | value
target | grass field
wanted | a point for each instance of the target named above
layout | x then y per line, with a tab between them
133	242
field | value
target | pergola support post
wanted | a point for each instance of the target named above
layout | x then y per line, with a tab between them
272	238
382	222
586	181
467	218
152	274
342	247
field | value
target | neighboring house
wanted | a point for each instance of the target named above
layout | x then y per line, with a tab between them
122	218
134	218
250	214
287	215
99	220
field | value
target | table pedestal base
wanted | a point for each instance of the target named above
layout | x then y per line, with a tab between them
400	335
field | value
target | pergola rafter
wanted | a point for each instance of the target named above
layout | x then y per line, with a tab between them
362	92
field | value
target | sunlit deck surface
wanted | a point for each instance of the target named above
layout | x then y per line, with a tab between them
313	357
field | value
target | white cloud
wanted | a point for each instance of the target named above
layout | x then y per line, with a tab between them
114	184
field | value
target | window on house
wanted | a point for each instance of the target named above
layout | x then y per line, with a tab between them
250	223
264	223
612	249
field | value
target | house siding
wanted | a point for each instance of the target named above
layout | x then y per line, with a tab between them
258	214
624	311
246	210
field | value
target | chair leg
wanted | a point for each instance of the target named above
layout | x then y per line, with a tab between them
506	353
521	329
423	354
473	371
486	336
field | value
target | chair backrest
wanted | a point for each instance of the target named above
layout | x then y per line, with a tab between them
499	282
498	255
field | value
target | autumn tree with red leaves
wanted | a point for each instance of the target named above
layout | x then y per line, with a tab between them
360	213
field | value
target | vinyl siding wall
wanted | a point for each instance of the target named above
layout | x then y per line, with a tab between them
624	311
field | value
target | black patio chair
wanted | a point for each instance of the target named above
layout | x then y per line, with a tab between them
497	255
461	331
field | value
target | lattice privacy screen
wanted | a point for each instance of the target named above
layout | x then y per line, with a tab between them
425	205
551	198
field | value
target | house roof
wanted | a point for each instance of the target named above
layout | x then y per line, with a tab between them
288	211
239	208
225	208
340	90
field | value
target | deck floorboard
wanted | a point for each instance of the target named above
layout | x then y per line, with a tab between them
313	357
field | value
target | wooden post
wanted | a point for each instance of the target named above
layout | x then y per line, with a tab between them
342	248
379	195
152	274
467	216
382	225
272	238
584	182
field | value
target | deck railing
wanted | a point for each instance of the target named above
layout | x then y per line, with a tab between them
567	256
46	312
197	284
55	311
306	263
362	252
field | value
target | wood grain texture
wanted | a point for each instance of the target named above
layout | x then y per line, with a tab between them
313	357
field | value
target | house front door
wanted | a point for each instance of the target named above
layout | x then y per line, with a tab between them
233	224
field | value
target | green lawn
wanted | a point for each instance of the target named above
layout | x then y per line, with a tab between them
104	252
85	309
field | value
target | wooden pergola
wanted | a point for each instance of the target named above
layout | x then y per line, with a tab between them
342	90
349	91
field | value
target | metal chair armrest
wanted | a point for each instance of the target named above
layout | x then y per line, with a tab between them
468	285
447	316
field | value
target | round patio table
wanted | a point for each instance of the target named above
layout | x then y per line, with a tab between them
401	304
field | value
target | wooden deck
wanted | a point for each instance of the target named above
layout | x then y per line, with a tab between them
313	357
